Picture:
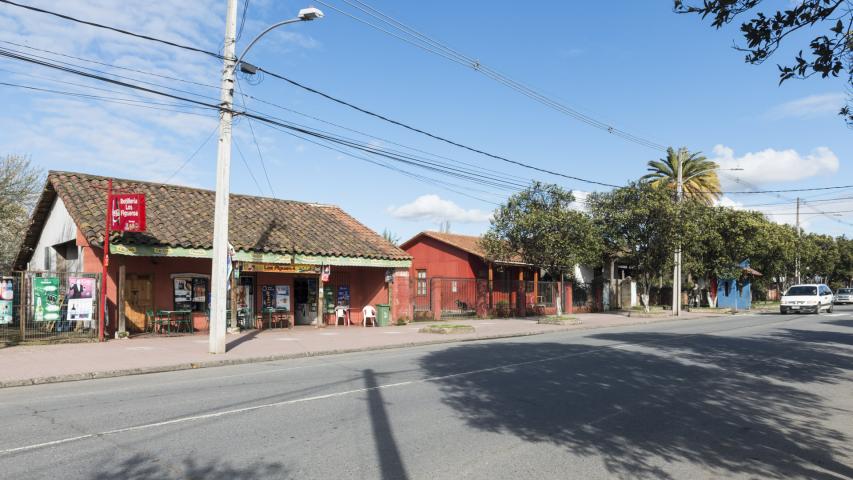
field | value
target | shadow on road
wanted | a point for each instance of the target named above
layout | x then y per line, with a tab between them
717	402
390	462
840	323
144	467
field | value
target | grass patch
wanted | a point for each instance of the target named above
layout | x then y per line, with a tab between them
559	320
443	328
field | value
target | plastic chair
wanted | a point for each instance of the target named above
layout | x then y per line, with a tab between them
368	313
341	314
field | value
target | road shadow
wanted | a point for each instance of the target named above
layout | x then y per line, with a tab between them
390	462
817	336
840	323
717	402
145	467
241	339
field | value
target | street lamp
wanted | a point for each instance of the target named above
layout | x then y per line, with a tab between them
219	271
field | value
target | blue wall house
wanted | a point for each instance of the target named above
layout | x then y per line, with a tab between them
736	293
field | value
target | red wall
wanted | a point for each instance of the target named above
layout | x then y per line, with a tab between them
367	284
442	260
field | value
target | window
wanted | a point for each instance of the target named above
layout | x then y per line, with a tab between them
190	293
454	287
802	290
422	283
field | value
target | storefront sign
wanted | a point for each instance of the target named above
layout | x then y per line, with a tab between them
80	295
280	268
128	212
325	273
7	297
46	298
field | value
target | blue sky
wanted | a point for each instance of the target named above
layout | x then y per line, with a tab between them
636	65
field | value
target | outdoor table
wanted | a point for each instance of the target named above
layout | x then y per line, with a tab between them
278	315
178	317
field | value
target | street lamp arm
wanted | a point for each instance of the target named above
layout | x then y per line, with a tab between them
270	28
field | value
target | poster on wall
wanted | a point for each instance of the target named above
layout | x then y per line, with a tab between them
81	296
7	297
282	297
199	290
183	290
46	298
268	296
343	296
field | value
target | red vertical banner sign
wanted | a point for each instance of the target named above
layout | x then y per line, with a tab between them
108	221
128	212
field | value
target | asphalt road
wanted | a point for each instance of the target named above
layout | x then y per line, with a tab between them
762	396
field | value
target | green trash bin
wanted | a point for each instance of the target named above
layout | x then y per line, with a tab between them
383	315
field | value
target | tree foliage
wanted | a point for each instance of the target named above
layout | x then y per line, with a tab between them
20	184
830	50
543	227
639	224
699	175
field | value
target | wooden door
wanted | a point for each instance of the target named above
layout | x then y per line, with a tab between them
138	299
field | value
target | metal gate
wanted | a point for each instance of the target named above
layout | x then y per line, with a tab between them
454	296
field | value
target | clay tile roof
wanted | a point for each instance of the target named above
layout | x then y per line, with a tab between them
468	243
183	217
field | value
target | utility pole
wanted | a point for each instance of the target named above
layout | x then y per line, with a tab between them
676	273
797	262
219	273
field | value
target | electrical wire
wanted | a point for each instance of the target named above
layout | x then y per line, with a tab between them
249	169
189	159
114	29
254	138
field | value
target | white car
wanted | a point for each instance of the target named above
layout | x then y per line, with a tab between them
844	295
812	298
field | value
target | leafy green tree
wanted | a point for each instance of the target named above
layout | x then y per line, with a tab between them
542	226
640	226
819	257
830	50
844	268
20	184
699	175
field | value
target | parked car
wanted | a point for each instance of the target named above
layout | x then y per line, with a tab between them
807	298
844	295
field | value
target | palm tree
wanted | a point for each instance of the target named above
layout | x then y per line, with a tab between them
699	175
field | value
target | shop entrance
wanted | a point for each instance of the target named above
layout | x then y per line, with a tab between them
245	295
305	298
138	300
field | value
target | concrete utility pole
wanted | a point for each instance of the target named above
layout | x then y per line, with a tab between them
676	274
219	273
797	261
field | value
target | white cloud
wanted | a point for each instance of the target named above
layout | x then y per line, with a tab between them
433	208
809	107
770	165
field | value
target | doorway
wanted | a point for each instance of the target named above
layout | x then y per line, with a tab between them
245	294
138	299
305	298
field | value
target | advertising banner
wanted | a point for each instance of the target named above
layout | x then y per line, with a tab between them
46	298
7	297
128	212
343	296
81	297
268	296
282	297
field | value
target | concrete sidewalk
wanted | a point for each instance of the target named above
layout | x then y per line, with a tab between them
30	365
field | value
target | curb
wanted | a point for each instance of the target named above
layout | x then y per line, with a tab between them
76	377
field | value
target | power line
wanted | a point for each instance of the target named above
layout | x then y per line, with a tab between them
189	159
242	21
114	29
96	62
431	45
431	135
252	129
248	168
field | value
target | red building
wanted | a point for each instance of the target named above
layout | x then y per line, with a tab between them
451	274
281	248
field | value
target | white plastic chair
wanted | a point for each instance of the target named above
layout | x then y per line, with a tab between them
341	314
368	313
